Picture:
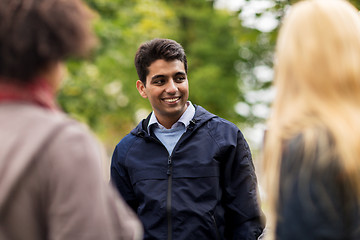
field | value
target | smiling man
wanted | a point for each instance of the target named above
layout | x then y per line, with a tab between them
187	173
167	89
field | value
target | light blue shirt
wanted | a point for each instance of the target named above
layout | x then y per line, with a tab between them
169	137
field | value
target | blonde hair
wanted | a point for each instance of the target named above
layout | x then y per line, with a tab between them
317	80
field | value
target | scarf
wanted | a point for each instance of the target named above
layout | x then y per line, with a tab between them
38	92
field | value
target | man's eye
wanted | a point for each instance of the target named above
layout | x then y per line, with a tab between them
180	79
158	81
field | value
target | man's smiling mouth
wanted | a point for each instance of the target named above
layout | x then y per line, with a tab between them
171	100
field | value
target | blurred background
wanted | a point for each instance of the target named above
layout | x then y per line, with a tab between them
229	45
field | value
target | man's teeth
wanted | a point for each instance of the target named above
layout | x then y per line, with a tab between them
171	99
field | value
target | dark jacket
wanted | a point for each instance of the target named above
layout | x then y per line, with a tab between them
206	189
316	201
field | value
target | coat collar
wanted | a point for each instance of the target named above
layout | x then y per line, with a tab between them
201	117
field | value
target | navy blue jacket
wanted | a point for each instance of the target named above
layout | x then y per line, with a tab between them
316	200
206	189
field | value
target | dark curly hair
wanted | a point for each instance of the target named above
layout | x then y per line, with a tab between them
36	33
155	49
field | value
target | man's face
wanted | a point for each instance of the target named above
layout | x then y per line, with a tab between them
167	90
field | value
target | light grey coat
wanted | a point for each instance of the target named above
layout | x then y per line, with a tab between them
51	183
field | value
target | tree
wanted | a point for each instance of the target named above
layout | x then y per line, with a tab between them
230	61
101	91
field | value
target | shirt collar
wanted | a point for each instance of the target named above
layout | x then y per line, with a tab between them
184	119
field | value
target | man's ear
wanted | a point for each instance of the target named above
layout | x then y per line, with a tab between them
141	88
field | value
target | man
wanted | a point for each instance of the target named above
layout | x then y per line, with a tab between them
186	172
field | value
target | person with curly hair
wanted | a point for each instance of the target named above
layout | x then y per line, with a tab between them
51	183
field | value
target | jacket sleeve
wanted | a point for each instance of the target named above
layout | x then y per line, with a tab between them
119	174
81	205
243	216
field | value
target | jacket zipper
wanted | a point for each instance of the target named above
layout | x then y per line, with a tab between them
168	205
169	173
168	197
216	227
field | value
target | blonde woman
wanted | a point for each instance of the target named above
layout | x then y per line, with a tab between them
312	148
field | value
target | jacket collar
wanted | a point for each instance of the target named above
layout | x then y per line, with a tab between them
184	119
201	117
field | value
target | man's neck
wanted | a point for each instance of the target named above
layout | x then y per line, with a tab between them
168	122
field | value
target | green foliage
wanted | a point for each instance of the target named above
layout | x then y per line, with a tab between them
222	54
101	90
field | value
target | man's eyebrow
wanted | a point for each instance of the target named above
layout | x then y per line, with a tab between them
180	73
157	76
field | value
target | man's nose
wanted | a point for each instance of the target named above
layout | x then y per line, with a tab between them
171	87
